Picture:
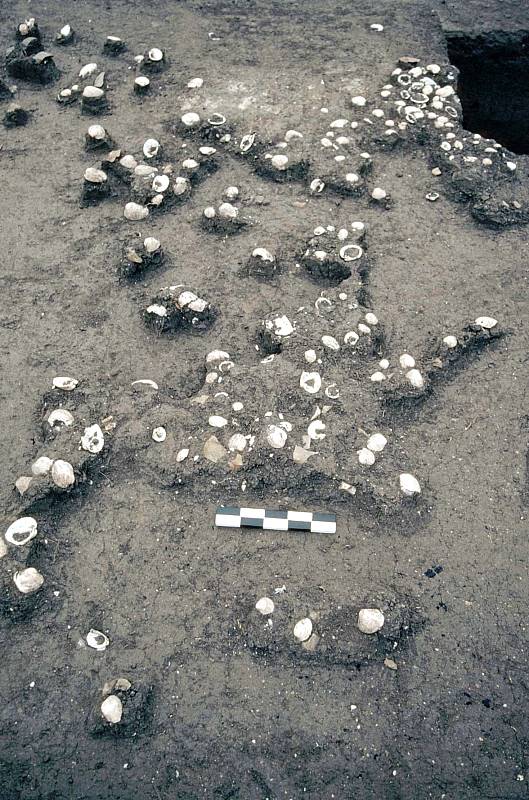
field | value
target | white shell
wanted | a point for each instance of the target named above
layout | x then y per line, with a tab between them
310	382
28	580
378	193
265	606
145	382
370	620
366	457
406	361
409	485
276	436
310	356
62	416
415	378
316	430
155	54
97	640
41	466
151	148
142	80
93	92
228	211
351	252
237	442
330	342
96	132
22	531
263	254
66	384
159	434
371	318
93	440
87	70
450	341
351	337
191	119
376	442
151	244
195	83
160	183
487	322
279	161
209	212
283	326
358	100
182	454
134	211
62	474
303	629
217	355
217	422
112	709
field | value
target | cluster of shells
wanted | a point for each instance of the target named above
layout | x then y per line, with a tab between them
61	464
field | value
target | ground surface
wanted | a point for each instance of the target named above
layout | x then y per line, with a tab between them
136	557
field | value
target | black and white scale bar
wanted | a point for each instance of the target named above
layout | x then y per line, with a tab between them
270	520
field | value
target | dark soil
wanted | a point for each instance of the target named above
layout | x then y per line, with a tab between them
226	709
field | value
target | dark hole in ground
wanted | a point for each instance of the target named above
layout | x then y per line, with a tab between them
493	85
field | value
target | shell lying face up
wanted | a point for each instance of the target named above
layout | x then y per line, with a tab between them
22	531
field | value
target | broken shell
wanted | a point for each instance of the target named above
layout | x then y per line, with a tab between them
310	356
316	430
263	254
93	440
22	531
97	640
66	384
376	442
409	485
217	355
28	580
159	434
112	709
182	454
265	606
41	466
135	212
370	620
301	454
144	382
237	442
247	142
276	436
351	252
61	416
303	629
22	484
62	474
366	457
310	382
486	322
282	326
